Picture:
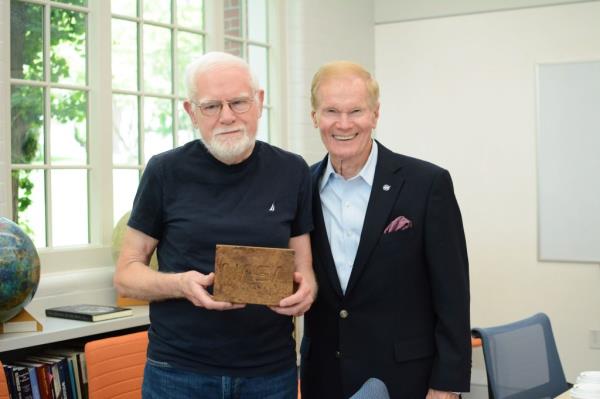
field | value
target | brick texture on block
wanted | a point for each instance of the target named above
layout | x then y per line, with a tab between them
253	275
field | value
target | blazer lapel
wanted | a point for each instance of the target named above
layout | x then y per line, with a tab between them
387	184
321	249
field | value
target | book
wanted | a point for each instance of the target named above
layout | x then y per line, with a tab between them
43	379
83	374
24	389
51	386
10	381
89	312
256	275
36	388
74	369
22	322
64	375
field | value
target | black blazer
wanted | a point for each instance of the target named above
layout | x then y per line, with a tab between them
405	315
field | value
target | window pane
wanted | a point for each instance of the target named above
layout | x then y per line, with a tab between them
27	43
257	20
124	55
67	46
69	207
158	124
29	207
263	127
234	47
185	132
124	7
27	124
68	128
125	183
189	46
190	13
233	18
74	2
157	60
157	10
259	63
125	130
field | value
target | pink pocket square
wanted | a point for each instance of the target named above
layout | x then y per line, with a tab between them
400	223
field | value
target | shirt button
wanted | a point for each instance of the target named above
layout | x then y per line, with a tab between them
343	313
338	354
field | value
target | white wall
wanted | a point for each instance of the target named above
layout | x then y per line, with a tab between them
320	31
387	11
460	92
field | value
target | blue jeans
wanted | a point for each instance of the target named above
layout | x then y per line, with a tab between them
162	381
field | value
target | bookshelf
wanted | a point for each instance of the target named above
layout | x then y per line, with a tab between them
59	330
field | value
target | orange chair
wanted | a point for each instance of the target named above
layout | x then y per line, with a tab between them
3	384
115	366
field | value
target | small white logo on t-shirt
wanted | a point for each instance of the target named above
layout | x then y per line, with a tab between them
272	208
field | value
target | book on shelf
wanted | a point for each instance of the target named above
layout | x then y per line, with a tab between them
35	381
75	371
22	382
53	368
22	322
10	381
43	378
89	312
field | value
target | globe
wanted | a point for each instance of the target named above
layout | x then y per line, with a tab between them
117	240
19	269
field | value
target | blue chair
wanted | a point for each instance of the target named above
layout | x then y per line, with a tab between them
521	360
373	388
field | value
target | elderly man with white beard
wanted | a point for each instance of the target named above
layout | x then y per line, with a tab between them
226	188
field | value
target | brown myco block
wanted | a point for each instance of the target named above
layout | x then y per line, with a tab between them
254	275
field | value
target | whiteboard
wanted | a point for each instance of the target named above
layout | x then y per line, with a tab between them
568	161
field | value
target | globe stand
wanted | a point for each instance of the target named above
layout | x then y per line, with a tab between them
22	322
124	301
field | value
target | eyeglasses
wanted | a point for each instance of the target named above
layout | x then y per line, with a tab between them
236	105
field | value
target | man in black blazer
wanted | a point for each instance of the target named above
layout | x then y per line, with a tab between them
390	258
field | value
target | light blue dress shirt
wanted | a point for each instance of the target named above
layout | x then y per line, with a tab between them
344	207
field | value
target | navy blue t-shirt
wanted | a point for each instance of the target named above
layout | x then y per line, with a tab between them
189	201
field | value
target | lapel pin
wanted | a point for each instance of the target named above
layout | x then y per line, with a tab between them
386	187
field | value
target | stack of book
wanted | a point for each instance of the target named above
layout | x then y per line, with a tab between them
54	374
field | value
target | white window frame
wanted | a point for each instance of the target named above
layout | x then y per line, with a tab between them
99	252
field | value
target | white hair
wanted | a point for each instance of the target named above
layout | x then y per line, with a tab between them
212	60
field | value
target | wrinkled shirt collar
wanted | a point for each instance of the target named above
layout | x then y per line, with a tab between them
367	173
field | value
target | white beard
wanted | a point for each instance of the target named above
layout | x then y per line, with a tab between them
226	150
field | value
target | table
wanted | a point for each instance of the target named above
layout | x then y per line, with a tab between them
564	395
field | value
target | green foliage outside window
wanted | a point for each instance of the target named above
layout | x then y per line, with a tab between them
27	101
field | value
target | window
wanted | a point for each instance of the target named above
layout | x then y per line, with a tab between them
49	112
151	46
246	35
89	108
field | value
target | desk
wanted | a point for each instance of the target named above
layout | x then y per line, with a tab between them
564	395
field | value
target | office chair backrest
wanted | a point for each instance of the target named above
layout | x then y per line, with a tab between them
3	384
115	366
521	359
373	388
